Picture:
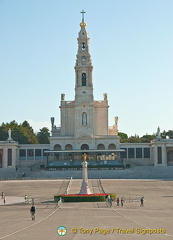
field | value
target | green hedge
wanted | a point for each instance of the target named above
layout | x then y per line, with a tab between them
80	198
113	196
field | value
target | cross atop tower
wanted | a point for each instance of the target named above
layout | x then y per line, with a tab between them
83	15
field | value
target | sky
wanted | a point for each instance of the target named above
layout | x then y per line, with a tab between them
131	45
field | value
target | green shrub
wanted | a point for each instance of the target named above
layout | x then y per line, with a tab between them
113	196
84	198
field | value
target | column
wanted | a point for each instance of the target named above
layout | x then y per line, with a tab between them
155	156
164	155
5	157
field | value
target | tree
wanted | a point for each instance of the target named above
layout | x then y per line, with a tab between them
25	124
13	125
3	134
134	139
170	134
123	137
43	135
28	132
22	133
147	138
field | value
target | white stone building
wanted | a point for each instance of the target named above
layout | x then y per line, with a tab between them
84	126
84	121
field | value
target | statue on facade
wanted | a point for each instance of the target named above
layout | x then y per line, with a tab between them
54	129
84	119
158	133
116	121
105	96
115	126
9	135
52	121
62	97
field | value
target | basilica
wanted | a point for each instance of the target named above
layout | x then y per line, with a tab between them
84	121
84	127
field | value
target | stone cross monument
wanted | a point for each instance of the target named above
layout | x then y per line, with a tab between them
85	188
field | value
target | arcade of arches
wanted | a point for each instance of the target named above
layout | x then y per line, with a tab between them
85	147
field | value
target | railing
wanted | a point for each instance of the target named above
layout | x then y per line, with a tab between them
63	188
29	200
69	186
132	199
102	189
42	201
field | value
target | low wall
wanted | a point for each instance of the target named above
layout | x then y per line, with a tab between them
139	161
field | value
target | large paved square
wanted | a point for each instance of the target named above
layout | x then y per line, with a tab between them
87	220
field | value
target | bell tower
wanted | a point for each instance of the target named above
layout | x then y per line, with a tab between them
84	99
84	121
83	67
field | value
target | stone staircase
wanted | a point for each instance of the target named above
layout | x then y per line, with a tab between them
137	172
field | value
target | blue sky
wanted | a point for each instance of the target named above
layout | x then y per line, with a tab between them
131	44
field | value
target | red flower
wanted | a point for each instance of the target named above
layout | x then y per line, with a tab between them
83	195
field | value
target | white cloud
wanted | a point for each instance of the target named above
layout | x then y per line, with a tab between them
37	125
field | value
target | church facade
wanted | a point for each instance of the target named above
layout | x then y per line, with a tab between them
84	121
84	126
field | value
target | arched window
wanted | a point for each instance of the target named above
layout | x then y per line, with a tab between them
84	147
68	147
83	46
57	147
112	146
101	146
83	79
84	118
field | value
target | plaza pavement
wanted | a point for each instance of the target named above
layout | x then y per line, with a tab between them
12	200
157	213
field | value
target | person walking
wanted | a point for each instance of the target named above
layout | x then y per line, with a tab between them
122	202
26	198
32	211
2	195
106	197
118	201
142	201
4	199
109	200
